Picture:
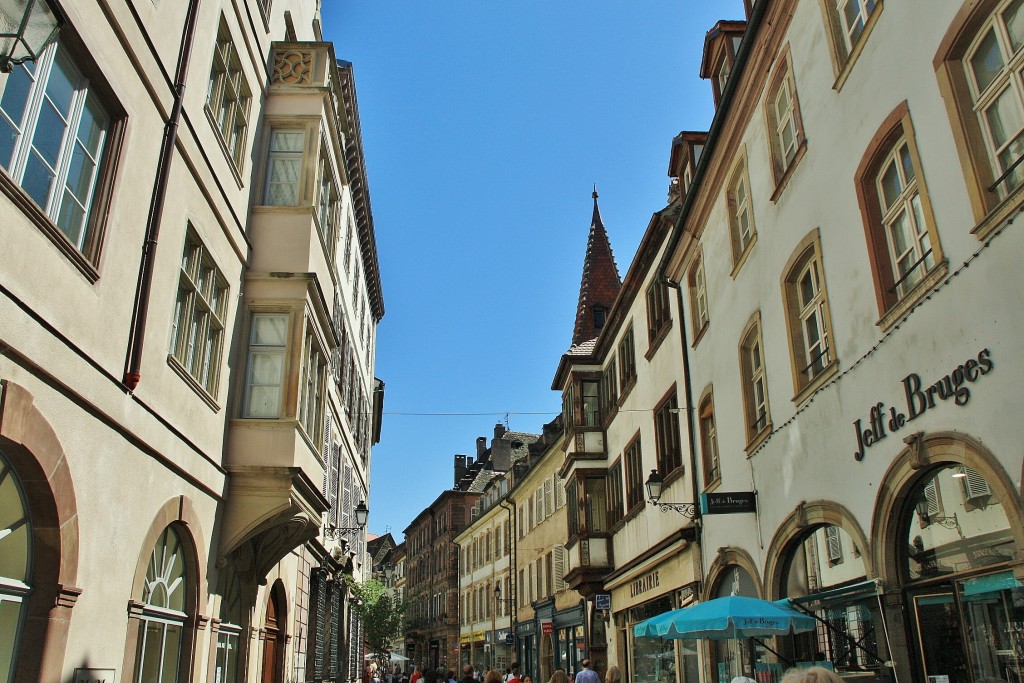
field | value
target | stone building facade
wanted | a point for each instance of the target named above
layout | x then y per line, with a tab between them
190	293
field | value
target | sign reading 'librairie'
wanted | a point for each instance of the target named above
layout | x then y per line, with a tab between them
920	399
728	503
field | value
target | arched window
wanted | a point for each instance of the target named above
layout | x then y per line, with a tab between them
964	600
807	312
163	612
15	565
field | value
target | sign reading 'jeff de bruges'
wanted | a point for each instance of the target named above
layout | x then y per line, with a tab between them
728	503
919	400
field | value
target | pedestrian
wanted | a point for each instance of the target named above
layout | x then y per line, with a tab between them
508	674
559	676
814	674
416	675
451	676
613	675
587	675
493	676
526	679
515	673
467	674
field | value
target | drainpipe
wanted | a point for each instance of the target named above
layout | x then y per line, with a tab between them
140	311
512	545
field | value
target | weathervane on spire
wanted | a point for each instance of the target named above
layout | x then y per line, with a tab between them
595	191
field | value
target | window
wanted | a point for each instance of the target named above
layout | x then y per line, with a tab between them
666	431
785	134
634	475
163	613
15	565
708	439
265	365
627	359
659	314
591	407
230	629
722	76
755	391
833	545
327	206
609	388
54	130
314	380
284	167
698	295
903	242
614	488
229	97
741	214
197	331
810	328
849	24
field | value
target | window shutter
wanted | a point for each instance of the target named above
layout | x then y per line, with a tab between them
835	545
335	659
931	495
559	563
549	496
559	492
335	468
540	579
975	485
327	456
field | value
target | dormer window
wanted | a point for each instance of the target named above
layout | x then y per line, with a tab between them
720	48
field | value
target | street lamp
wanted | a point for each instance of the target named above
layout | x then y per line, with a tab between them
654	485
362	512
26	29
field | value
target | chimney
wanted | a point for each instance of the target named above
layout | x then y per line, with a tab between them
481	445
501	455
460	468
499	430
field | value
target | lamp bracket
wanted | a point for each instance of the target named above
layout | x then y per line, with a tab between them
688	510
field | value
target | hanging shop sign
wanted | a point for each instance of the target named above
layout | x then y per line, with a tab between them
920	399
603	601
719	503
547	627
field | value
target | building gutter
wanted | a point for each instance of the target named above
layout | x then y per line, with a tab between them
717	123
147	263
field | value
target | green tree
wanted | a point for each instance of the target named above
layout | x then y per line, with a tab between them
381	614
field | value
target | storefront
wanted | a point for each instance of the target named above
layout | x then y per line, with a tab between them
662	582
472	650
731	658
527	634
964	599
569	641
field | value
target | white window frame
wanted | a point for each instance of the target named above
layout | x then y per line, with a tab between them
852	31
24	151
710	461
313	383
741	212
906	206
784	118
197	329
283	157
255	350
699	294
228	96
817	354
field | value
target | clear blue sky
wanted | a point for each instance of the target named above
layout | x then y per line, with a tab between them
485	125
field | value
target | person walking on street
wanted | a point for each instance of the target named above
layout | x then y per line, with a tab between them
587	675
416	675
467	674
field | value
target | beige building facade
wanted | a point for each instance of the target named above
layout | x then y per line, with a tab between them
190	293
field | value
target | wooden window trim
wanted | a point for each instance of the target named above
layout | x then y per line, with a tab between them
895	126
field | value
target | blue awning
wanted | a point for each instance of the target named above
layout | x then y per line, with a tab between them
991	584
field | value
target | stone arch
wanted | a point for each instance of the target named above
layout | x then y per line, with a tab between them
31	446
727	557
924	454
178	512
804	517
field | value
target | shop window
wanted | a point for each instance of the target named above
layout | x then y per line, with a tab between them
15	565
963	598
57	125
228	96
162	613
755	383
807	311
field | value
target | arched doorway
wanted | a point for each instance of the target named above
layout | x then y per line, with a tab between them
15	566
964	604
274	632
731	658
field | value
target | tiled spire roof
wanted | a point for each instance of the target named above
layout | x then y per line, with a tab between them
600	284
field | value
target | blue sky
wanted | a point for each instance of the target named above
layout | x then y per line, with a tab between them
485	125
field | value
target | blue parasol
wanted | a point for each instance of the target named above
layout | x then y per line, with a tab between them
732	617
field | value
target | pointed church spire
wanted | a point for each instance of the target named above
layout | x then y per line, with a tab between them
600	283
